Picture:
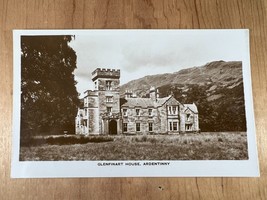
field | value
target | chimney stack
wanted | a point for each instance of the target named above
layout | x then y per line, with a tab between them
153	93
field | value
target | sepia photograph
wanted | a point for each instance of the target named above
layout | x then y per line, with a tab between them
133	99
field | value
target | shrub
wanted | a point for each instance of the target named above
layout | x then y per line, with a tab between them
64	140
153	140
144	138
32	141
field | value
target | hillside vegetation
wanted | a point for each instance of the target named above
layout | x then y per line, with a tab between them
216	88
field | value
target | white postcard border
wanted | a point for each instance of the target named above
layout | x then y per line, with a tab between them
203	168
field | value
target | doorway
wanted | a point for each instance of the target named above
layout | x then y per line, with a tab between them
112	127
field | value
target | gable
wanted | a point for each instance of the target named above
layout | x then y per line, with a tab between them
172	102
191	108
188	111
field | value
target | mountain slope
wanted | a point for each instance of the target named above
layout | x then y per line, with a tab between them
216	88
212	73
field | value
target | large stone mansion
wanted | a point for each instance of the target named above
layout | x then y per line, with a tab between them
104	112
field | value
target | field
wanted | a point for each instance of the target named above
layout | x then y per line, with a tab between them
204	146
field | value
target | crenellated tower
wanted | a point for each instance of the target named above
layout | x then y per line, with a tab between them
107	85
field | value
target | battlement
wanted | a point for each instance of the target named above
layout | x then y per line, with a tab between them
105	73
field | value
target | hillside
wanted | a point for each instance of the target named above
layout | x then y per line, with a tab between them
216	88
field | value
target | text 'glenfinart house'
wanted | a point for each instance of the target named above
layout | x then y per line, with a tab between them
104	112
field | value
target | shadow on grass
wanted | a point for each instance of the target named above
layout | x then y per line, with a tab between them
64	140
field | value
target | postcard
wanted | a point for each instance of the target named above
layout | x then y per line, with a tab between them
133	103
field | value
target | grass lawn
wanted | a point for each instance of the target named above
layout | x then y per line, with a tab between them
204	146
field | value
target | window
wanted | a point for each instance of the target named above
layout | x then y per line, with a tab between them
108	85
170	109
170	126
150	127
124	112
85	102
188	127
125	127
137	127
174	109
175	126
150	112
95	85
137	112
109	109
187	117
109	99
85	123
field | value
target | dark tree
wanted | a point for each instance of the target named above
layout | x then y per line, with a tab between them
224	114
49	97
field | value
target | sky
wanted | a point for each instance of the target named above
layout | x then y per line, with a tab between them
138	53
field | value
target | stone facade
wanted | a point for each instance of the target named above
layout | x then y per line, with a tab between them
104	112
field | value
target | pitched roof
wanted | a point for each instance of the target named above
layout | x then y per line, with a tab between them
192	107
161	101
148	102
144	102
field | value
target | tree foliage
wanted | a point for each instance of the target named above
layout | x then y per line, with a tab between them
224	114
49	97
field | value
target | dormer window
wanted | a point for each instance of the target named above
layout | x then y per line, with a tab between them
108	85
